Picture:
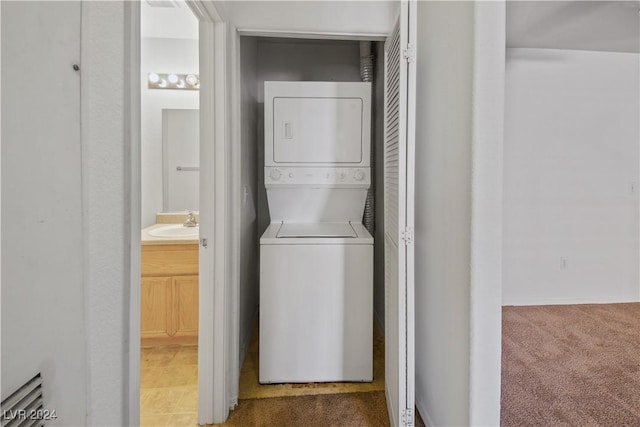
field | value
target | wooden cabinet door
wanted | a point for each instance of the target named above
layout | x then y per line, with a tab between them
185	305
155	310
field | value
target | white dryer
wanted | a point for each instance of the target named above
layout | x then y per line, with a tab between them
316	257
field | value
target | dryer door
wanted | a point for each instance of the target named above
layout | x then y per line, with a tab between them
317	130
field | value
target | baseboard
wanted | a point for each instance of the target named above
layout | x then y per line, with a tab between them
569	301
424	413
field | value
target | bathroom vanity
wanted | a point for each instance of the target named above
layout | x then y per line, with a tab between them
169	289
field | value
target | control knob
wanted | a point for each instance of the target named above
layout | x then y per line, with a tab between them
358	175
275	174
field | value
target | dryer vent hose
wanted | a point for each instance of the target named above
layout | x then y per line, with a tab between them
366	75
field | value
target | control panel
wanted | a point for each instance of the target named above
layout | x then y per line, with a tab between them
317	176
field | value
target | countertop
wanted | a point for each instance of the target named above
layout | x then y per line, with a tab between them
146	239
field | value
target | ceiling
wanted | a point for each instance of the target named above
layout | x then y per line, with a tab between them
581	25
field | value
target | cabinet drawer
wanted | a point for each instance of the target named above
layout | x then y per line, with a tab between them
169	260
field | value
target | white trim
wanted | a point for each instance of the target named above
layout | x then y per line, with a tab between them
206	204
216	302
569	301
410	367
205	11
312	35
132	117
236	211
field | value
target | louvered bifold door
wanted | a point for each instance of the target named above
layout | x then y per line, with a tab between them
398	217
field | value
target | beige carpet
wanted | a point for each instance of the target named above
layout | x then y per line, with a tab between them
345	409
573	365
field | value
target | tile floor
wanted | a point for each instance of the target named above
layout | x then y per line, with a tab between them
169	385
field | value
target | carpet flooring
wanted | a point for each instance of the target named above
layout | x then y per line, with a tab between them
575	365
330	410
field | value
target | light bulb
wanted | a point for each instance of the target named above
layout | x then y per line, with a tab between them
154	78
173	79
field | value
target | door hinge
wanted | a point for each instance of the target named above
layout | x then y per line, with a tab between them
410	53
204	242
407	235
407	417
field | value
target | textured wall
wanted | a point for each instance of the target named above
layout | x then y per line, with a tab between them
106	206
486	213
457	236
43	317
571	177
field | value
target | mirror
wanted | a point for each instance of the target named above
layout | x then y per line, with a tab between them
180	159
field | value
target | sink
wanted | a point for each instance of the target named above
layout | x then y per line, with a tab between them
175	230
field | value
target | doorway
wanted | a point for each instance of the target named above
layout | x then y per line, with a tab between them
169	280
212	252
249	186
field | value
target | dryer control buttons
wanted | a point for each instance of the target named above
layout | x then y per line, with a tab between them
317	176
275	174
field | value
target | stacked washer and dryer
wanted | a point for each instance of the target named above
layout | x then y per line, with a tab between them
316	257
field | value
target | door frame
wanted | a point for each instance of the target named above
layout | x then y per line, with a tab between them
234	172
216	322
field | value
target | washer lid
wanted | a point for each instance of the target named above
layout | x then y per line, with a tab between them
318	229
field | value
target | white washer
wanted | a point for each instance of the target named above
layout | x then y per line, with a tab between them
316	258
316	299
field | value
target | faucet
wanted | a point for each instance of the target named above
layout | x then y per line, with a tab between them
191	220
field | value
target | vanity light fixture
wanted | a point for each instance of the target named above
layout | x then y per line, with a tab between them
173	81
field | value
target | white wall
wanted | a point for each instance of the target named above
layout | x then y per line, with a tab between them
74	270
249	268
458	148
162	55
43	319
571	177
168	22
443	211
334	17
298	60
106	157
